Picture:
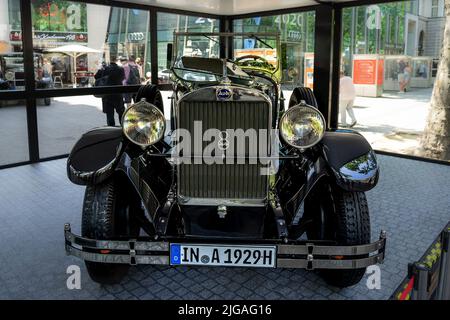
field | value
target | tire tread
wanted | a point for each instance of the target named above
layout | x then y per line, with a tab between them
353	229
98	223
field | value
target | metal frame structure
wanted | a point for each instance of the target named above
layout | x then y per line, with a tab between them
326	64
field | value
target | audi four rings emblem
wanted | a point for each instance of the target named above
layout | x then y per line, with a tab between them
223	142
136	36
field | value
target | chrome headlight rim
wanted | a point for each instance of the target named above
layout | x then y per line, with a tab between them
9	75
292	109
155	109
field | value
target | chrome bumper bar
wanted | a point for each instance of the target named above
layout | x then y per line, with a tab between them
307	256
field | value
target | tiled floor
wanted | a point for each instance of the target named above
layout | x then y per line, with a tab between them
411	202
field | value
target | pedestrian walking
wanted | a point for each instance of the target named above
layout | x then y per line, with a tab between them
141	69
112	75
346	99
401	75
407	76
132	77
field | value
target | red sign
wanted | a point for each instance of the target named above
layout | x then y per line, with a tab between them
380	72
15	36
364	71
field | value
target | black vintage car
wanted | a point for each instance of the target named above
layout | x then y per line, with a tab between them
233	179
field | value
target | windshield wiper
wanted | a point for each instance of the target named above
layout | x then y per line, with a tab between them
260	40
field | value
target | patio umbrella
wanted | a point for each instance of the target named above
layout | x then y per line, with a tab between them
74	50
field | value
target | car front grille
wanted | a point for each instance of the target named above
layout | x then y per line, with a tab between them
223	181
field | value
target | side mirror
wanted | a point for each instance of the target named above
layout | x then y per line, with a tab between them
169	55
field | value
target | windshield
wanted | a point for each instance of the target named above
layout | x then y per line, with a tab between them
196	55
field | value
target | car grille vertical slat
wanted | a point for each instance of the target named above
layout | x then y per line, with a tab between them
223	181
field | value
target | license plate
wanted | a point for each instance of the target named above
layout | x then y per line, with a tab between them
222	255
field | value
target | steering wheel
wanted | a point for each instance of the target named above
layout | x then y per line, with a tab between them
251	60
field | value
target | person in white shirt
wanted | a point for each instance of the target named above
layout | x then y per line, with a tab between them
346	100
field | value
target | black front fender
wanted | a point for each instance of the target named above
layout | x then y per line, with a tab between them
95	155
351	160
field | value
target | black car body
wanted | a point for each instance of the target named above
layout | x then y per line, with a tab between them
301	204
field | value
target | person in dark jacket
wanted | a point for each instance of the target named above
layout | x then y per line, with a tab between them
114	75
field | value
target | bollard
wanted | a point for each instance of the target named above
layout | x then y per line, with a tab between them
420	290
443	292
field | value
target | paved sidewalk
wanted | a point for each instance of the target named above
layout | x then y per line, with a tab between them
411	203
395	121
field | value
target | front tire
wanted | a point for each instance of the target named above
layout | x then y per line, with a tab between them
343	217
107	214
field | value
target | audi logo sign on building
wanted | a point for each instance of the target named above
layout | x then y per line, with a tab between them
136	36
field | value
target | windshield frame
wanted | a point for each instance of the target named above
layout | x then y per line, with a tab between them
224	42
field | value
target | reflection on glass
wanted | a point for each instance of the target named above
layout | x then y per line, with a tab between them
77	39
362	168
12	76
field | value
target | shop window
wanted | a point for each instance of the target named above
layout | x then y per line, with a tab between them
13	116
73	40
12	75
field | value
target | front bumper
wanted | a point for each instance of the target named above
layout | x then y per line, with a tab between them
303	255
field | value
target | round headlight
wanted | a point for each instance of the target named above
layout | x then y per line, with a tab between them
302	126
143	123
9	76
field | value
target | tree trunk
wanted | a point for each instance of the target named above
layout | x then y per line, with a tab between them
435	142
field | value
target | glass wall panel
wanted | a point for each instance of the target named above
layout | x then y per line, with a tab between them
297	45
389	57
13	132
63	122
13	116
73	40
12	76
168	24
